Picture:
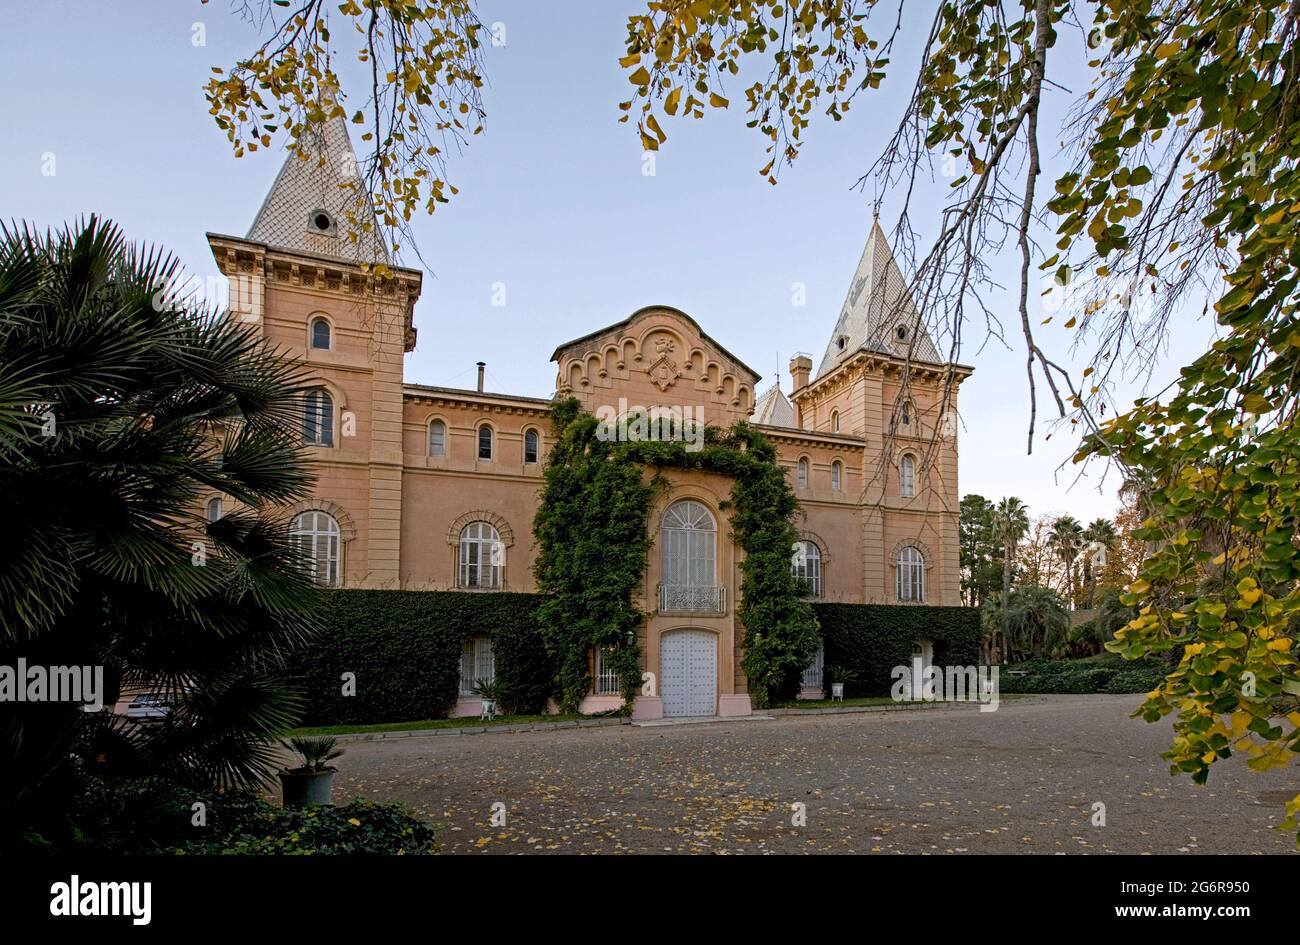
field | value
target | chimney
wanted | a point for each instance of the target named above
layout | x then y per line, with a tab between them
800	368
481	366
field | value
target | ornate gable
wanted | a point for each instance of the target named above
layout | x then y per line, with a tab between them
659	356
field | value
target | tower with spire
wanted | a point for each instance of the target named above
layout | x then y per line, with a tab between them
882	380
305	275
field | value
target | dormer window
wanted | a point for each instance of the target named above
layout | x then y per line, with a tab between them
322	223
842	341
901	332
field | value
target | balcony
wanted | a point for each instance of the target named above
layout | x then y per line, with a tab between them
686	599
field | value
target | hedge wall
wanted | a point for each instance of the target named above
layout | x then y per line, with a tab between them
869	640
1082	676
404	647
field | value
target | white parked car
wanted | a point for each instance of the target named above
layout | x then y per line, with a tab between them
149	705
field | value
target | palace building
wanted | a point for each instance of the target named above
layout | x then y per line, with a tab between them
435	488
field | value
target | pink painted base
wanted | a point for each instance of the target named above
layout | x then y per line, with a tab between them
467	706
593	704
648	707
734	705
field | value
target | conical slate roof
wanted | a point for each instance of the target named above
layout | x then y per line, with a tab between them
877	306
328	180
773	409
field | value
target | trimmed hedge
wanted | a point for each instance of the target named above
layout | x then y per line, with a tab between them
1075	677
404	649
869	640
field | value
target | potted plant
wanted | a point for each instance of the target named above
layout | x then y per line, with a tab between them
486	689
837	676
310	782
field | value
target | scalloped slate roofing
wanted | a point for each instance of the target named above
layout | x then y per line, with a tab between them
774	410
878	303
326	179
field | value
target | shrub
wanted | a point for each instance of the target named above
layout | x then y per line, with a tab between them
1077	677
245	825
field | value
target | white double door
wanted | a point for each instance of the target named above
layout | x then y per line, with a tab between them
688	664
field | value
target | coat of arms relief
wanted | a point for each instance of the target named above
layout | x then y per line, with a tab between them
663	370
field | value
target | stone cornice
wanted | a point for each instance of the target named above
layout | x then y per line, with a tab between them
811	437
869	362
481	400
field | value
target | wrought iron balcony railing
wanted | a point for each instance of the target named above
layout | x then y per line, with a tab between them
685	599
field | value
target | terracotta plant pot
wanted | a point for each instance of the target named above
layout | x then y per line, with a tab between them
300	788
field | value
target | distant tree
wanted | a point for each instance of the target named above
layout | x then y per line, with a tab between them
1124	562
1035	561
1010	522
1067	542
1036	619
980	554
1103	531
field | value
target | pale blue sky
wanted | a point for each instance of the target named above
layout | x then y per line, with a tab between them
553	204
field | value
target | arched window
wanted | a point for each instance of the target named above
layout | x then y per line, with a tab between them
320	334
835	421
911	575
689	541
806	566
802	480
214	509
837	475
318	418
907	476
906	413
530	446
482	556
317	536
437	438
484	441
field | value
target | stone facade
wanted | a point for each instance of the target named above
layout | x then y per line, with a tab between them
408	471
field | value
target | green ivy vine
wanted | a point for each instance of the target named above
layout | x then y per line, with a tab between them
593	541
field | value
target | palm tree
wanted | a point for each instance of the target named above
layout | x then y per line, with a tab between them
1038	621
1103	532
119	416
1010	522
1067	541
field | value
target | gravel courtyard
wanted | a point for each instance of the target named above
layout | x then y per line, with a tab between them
938	780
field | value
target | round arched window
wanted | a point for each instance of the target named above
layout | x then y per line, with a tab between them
320	334
911	574
689	542
318	539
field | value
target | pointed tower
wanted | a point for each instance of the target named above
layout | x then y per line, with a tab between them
879	313
302	275
773	409
318	203
883	383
